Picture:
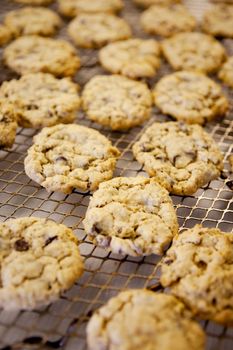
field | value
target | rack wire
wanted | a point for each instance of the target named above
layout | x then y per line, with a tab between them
62	324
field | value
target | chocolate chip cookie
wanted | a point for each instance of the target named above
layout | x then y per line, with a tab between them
72	8
191	97
180	157
31	54
97	30
131	215
39	259
68	156
147	3
40	99
8	125
226	72
32	20
134	58
141	319
34	2
167	21
218	21
194	51
198	269
116	101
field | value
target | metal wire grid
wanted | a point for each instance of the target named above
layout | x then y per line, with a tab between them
62	324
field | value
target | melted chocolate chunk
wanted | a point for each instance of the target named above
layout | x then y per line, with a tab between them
21	245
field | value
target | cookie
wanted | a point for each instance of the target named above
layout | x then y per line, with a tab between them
191	97
32	54
141	319
226	72
34	2
97	30
41	100
131	215
134	58
222	1
8	125
32	20
194	51
167	21
39	259
230	159
116	101
218	21
5	35
198	269
179	156
69	156
72	8
147	3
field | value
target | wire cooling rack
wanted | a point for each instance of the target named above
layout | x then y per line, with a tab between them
62	324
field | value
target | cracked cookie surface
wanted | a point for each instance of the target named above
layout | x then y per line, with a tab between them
40	99
167	21
180	157
39	259
69	156
194	51
226	72
141	319
218	21
97	30
191	97
72	8
133	216
32	54
198	269
116	101
32	21
8	125
134	58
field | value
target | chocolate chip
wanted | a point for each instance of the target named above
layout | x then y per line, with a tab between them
223	176
146	147
168	261
96	229
214	301
32	107
21	245
202	264
5	119
230	184
155	287
50	240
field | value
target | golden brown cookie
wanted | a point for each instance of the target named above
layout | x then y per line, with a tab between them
167	21
97	30
194	51
198	269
